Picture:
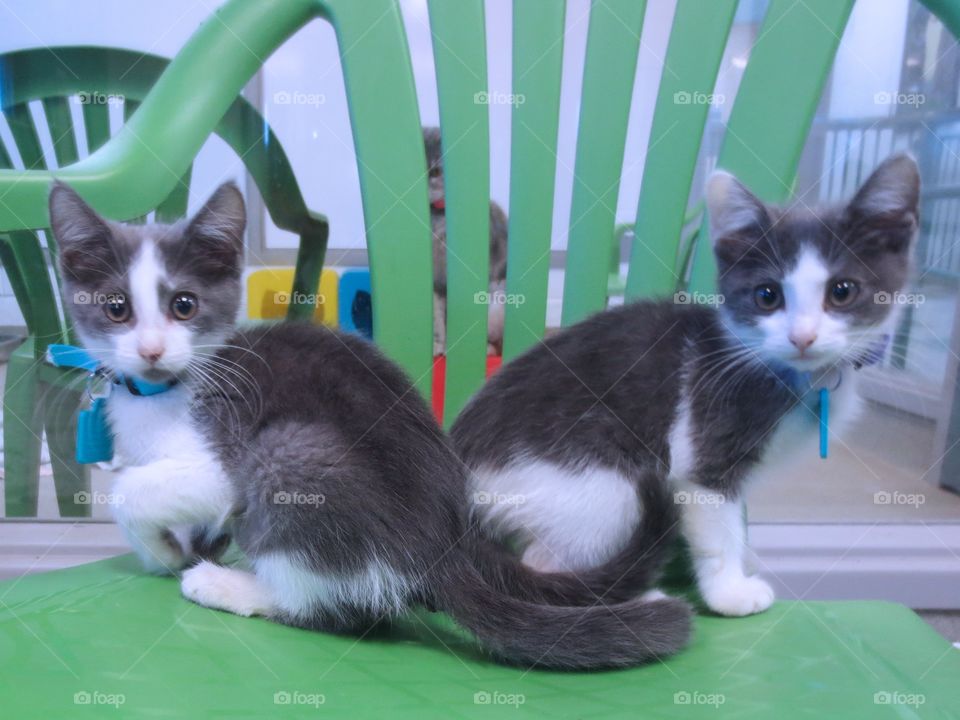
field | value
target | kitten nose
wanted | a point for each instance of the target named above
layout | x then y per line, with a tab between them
801	341
150	353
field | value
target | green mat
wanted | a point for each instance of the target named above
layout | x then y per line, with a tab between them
103	640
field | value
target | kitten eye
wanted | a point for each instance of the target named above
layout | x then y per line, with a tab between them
768	297
843	292
184	305
117	309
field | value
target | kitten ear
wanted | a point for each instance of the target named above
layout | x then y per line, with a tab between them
737	217
884	214
83	237
213	240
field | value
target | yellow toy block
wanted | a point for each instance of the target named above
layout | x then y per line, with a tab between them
269	295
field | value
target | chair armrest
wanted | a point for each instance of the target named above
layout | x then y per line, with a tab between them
139	167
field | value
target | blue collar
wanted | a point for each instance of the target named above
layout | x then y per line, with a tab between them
76	357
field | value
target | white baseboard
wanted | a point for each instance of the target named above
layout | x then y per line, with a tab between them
917	565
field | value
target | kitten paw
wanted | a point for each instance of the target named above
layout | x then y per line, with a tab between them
223	588
739	596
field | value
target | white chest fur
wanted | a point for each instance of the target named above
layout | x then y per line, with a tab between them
158	427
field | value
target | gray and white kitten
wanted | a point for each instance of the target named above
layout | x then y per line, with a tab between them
498	253
310	447
579	445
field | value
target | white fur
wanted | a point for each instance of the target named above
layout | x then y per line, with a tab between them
565	520
300	591
171	479
223	588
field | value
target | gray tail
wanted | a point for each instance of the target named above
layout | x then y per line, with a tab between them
632	570
552	636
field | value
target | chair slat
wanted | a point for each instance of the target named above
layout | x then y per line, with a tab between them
129	108
32	265
25	135
96	125
391	164
697	40
612	45
175	206
460	55
538	27
60	123
775	104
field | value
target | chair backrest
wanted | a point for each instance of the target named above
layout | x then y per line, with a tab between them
95	78
771	115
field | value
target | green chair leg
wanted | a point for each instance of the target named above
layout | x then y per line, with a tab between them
22	430
71	479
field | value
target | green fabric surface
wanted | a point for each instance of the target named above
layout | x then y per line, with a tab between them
132	647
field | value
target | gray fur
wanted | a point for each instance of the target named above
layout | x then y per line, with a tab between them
312	412
635	359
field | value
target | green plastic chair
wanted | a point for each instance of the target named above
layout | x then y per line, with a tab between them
114	630
40	397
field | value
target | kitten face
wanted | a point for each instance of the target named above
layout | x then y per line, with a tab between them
431	141
148	300
805	289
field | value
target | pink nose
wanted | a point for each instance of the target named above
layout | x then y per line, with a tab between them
801	341
150	354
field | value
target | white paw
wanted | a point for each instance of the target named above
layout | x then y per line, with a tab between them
159	550
738	596
654	595
223	588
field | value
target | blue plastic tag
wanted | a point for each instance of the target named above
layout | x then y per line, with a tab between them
94	438
824	420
